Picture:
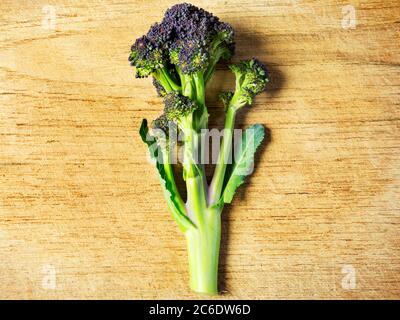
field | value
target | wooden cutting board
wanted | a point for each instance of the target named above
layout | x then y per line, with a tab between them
81	211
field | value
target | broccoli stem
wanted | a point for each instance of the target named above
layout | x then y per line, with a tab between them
211	68
194	174
165	79
194	177
188	89
203	246
223	157
200	93
171	82
201	114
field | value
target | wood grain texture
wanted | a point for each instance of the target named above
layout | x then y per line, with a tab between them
78	197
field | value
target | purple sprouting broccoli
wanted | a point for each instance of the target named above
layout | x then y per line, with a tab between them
181	53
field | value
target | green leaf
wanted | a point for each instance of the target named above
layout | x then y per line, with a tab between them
170	194
155	151
243	161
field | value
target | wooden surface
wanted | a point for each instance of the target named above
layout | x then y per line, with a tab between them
81	211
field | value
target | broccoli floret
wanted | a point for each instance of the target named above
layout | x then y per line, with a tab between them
198	37
179	109
146	57
160	89
225	97
251	79
165	132
189	41
161	123
149	58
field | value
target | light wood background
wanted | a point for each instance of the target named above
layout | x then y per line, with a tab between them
81	211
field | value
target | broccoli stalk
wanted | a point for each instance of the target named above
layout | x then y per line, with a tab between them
181	54
251	78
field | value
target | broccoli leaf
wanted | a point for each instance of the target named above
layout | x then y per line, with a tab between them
180	217
243	161
153	149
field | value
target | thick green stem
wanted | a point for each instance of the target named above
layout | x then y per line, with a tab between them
200	93
223	157
188	89
203	241
194	177
201	114
194	174
203	251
